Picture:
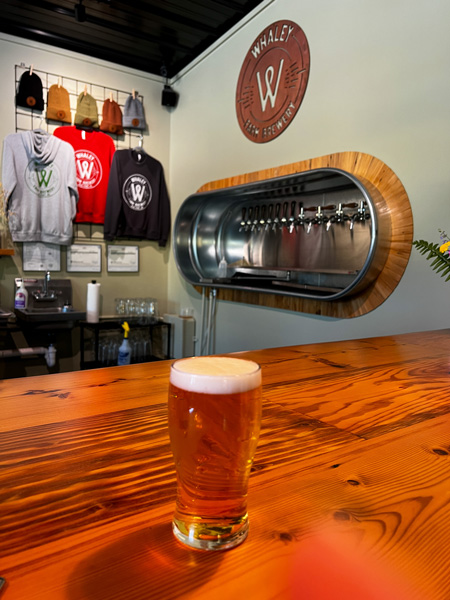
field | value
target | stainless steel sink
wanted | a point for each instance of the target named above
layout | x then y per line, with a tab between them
52	309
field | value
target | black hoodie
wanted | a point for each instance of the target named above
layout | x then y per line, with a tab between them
137	203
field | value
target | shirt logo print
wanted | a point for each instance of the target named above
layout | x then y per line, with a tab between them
89	169
137	192
43	180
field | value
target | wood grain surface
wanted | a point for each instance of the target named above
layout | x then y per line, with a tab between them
395	234
349	494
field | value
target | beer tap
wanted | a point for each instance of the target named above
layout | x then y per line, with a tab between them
277	216
292	217
301	217
269	217
284	215
249	221
262	220
362	216
243	221
255	219
339	216
320	217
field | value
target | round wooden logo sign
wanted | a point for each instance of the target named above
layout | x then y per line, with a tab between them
272	81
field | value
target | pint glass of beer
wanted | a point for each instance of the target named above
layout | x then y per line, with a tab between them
214	423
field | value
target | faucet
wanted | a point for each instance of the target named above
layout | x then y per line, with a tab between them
46	282
45	294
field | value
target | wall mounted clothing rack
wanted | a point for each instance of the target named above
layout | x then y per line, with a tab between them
28	119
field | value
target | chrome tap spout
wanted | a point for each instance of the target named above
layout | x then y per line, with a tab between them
45	294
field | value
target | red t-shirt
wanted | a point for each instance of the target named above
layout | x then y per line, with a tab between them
93	157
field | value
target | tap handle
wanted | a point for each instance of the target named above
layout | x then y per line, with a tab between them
242	223
277	216
293	207
249	216
301	215
269	217
262	221
285	212
255	217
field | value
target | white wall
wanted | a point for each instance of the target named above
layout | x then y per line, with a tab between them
152	278
378	84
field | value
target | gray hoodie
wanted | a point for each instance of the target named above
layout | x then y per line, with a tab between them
40	185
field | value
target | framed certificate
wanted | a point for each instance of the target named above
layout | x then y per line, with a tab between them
84	258
123	259
41	256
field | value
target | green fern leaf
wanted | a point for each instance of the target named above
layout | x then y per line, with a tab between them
440	263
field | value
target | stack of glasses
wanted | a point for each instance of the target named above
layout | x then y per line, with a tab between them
145	308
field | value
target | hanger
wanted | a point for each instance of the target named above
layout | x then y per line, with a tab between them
39	129
139	149
140	145
31	69
59	82
110	96
85	90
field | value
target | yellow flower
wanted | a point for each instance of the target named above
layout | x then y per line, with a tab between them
445	247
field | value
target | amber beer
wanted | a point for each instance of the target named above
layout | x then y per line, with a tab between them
214	423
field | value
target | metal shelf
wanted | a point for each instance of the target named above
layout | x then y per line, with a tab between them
158	335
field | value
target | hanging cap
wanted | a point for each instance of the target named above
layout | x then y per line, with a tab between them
29	94
112	118
133	113
58	104
87	113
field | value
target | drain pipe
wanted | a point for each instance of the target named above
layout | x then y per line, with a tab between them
49	353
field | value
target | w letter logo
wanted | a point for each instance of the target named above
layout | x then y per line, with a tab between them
89	169
84	168
271	94
43	177
137	191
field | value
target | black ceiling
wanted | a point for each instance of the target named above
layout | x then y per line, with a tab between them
142	34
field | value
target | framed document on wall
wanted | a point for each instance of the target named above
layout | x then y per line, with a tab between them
41	256
84	258
123	259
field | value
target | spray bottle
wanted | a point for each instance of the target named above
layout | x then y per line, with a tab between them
125	349
21	297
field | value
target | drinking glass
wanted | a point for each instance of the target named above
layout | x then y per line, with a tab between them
121	306
152	308
214	424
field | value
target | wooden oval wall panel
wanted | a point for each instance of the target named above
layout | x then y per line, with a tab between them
394	240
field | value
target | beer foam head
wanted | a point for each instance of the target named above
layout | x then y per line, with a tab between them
215	375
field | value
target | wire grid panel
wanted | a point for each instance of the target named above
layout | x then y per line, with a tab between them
27	119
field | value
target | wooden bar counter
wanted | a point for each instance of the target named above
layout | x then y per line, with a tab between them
349	495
